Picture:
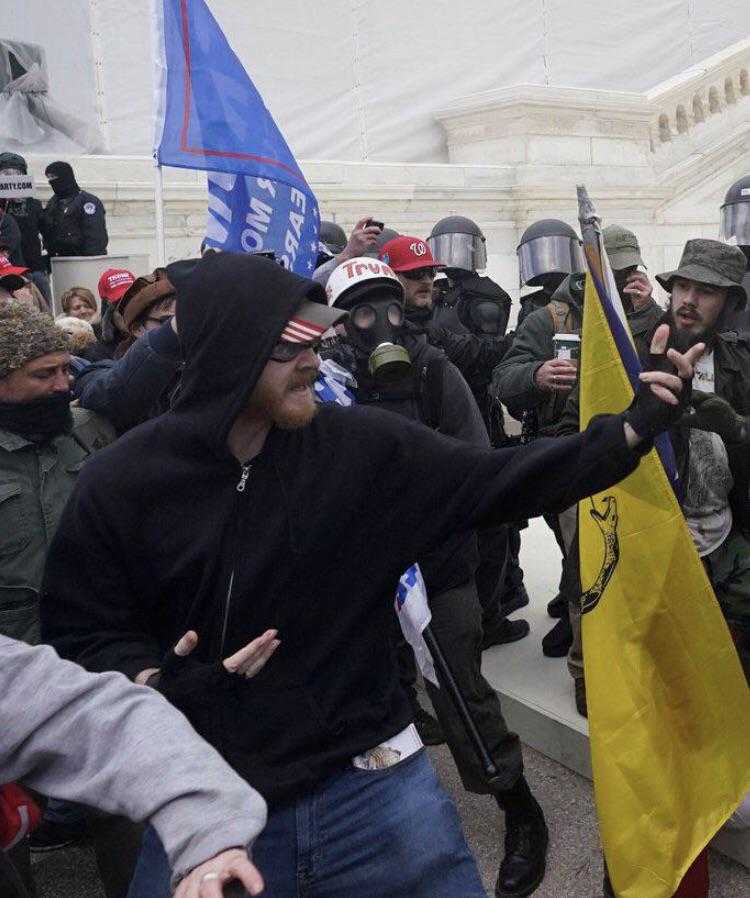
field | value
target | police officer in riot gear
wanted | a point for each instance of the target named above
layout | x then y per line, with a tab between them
469	324
332	236
735	229
549	250
73	222
405	375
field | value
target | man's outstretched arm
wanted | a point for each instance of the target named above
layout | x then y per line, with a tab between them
103	741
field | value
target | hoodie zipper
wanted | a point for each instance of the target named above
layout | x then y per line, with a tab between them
241	484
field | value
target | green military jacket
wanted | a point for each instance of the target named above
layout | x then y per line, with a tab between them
35	483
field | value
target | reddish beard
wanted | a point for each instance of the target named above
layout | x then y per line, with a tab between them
287	410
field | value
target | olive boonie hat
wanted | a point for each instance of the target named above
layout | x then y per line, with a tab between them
622	248
710	262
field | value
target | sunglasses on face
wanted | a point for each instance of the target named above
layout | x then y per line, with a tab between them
285	351
419	274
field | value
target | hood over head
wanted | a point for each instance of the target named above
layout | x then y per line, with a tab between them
231	311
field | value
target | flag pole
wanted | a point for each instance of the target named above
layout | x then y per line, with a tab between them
161	247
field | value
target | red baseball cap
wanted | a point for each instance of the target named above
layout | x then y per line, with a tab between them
408	253
115	283
11	275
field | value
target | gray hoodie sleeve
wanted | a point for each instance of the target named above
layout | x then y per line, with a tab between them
101	740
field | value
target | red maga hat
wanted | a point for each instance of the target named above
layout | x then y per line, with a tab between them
114	283
408	253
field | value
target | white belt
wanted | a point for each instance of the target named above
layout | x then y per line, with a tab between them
392	751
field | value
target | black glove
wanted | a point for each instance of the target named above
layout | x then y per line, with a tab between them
711	412
188	684
648	415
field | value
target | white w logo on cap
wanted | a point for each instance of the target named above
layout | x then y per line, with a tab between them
418	248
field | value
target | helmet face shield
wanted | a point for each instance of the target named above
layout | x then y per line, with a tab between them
466	251
735	224
548	254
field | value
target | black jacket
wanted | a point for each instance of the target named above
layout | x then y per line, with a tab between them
436	395
28	213
75	226
10	234
157	539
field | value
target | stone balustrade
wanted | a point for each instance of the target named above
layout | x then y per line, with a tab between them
700	94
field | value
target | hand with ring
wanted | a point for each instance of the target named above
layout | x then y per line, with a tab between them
208	880
556	376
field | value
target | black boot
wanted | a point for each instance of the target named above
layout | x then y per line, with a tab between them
526	838
503	631
513	600
557	643
557	607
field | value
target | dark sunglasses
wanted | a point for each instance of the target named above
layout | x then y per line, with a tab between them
284	351
418	274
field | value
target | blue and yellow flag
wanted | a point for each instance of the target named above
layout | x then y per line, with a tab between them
669	707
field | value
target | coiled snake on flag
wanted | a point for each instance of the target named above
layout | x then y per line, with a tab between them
606	521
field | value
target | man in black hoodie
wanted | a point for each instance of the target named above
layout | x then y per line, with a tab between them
247	507
73	222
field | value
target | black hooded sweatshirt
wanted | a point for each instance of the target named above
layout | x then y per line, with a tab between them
158	538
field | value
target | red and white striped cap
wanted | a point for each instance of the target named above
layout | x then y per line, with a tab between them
310	322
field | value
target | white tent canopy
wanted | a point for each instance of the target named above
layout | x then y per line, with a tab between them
355	80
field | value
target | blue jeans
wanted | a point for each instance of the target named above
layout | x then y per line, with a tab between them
375	834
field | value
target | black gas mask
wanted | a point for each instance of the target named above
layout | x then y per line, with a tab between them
486	317
373	328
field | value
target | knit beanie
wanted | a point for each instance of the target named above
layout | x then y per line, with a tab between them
26	334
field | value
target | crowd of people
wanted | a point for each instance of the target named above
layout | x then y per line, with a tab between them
178	506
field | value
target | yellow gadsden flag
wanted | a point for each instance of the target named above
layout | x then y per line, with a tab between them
669	707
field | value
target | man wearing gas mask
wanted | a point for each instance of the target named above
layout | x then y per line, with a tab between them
73	222
735	229
405	375
549	250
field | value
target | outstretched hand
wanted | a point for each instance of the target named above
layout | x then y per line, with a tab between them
664	391
208	880
248	661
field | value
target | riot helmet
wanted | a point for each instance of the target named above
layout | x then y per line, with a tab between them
333	236
372	294
458	242
548	247
735	214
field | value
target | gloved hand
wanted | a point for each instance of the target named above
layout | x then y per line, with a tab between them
665	387
187	683
711	412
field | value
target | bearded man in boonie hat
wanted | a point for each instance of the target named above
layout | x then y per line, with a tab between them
712	440
706	289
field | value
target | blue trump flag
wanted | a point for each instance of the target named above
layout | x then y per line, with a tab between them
210	116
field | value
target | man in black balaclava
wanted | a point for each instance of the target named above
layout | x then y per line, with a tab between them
27	213
73	223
